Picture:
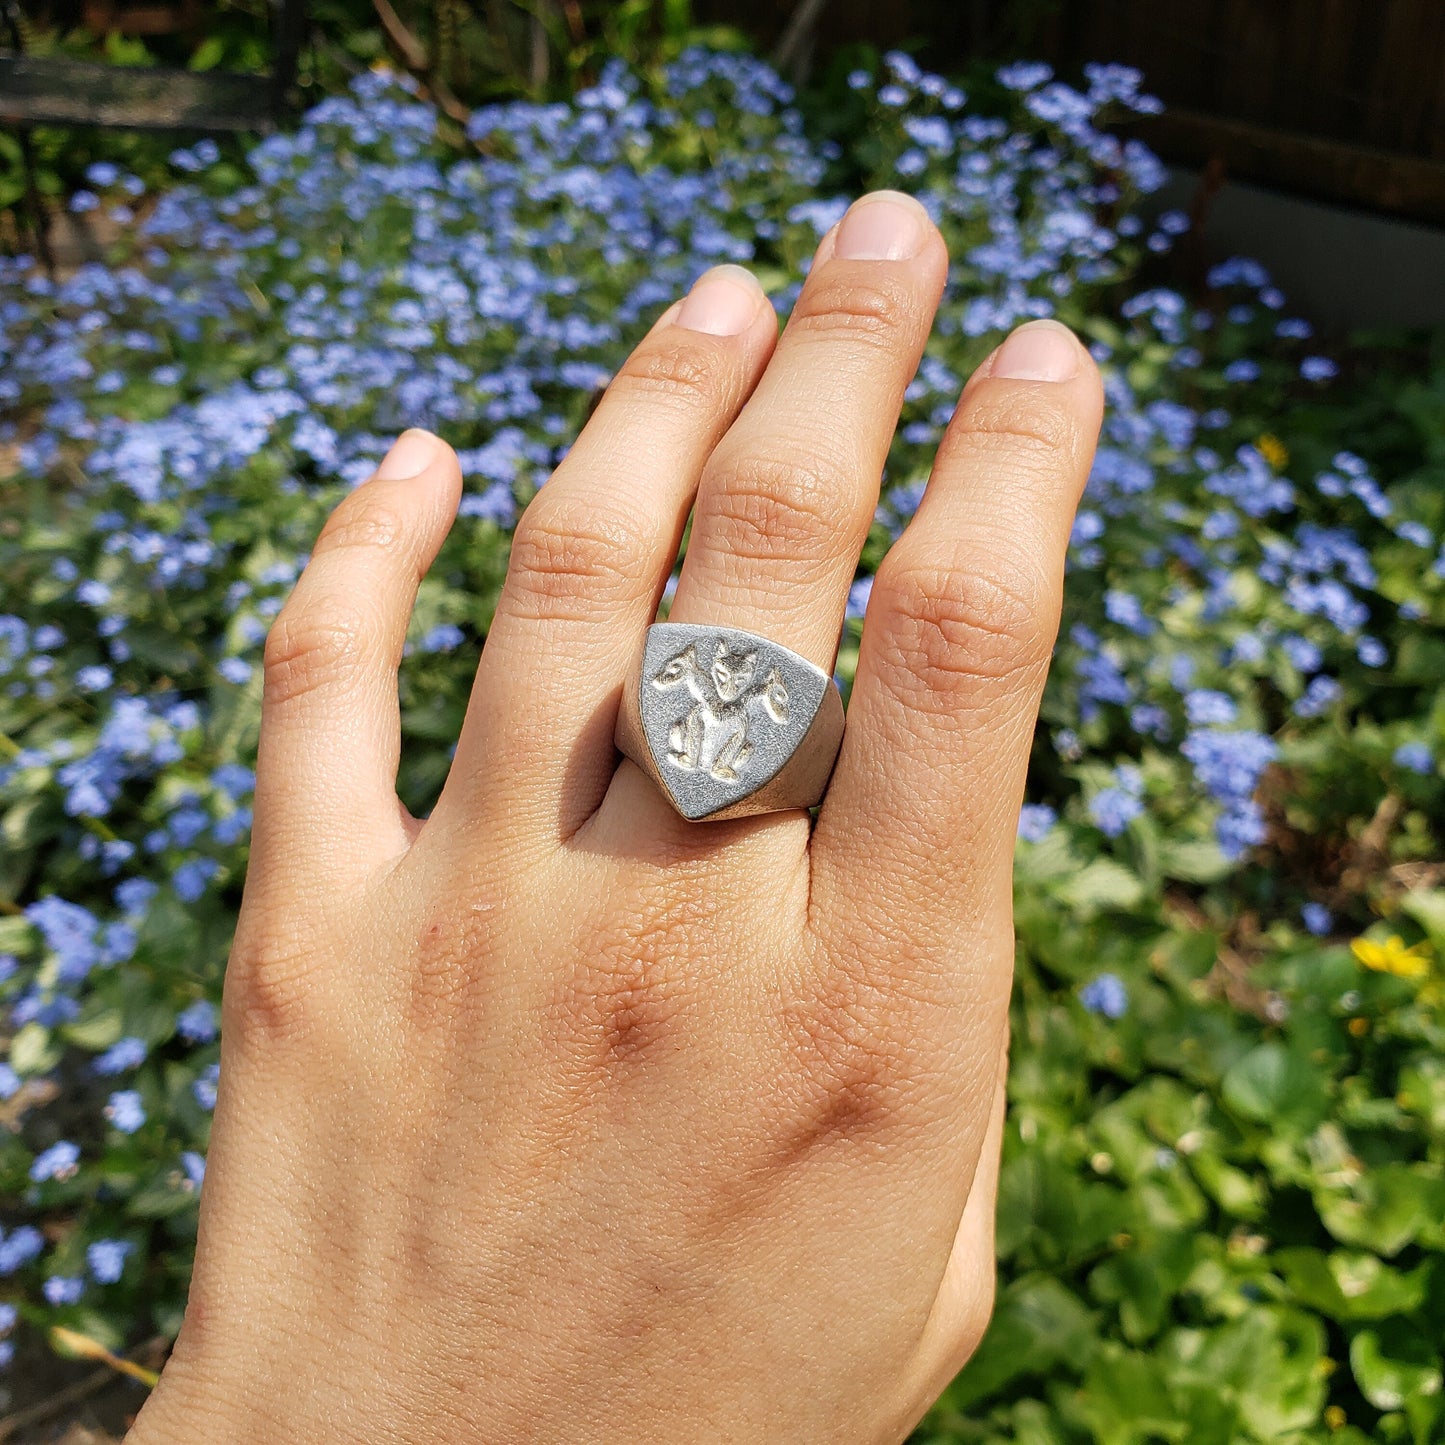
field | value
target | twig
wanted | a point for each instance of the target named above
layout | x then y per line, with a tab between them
1371	851
539	52
413	55
81	1389
61	1400
412	51
798	36
86	1348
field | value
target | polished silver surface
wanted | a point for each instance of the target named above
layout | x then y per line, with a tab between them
729	723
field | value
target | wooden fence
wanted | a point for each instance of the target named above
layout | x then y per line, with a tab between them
1339	99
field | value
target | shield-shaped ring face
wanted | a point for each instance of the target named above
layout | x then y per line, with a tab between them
722	712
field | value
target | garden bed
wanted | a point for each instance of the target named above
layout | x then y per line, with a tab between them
1224	1186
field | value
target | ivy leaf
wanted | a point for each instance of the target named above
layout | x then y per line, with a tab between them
1099	885
1037	1325
1273	1085
1394	1365
1387	1208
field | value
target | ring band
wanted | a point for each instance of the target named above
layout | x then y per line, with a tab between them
728	723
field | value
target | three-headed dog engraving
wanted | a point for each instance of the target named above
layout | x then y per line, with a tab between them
714	734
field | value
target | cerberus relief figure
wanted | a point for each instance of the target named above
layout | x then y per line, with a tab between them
714	735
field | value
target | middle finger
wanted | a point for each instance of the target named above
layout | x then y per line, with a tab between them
786	499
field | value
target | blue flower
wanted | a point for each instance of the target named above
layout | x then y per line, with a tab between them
1316	919
133	895
1372	652
125	1110
1113	809
444	637
1318	368
69	932
1126	609
234	781
59	1161
204	1088
17	1249
63	1289
1035	822
1024	75
197	1023
1105	995
106	1258
1415	758
1321	695
119	1058
191	878
1203	707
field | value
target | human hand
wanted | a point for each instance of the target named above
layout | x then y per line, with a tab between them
555	1116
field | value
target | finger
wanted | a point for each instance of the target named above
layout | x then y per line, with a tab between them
589	560
922	809
330	728
786	499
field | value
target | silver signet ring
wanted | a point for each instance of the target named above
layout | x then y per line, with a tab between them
728	723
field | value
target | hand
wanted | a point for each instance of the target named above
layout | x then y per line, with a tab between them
554	1116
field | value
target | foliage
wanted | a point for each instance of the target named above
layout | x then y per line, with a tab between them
1223	1190
477	54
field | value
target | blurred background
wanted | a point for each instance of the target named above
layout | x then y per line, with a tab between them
242	245
1309	133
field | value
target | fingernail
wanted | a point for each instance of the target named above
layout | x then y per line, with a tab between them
722	302
1038	351
882	226
410	455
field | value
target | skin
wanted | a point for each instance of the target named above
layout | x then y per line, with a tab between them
555	1117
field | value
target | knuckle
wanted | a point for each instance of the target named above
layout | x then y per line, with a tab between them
1033	431
984	619
571	553
276	995
870	308
363	520
760	508
625	999
856	1063
449	964
319	645
671	371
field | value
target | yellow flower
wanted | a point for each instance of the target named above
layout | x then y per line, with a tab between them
1392	956
1273	451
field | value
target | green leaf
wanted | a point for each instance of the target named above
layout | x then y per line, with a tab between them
33	1050
1037	1324
1387	1208
1427	907
1347	1285
98	1032
208	53
1198	861
1273	1085
1102	884
1394	1365
1126	1401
